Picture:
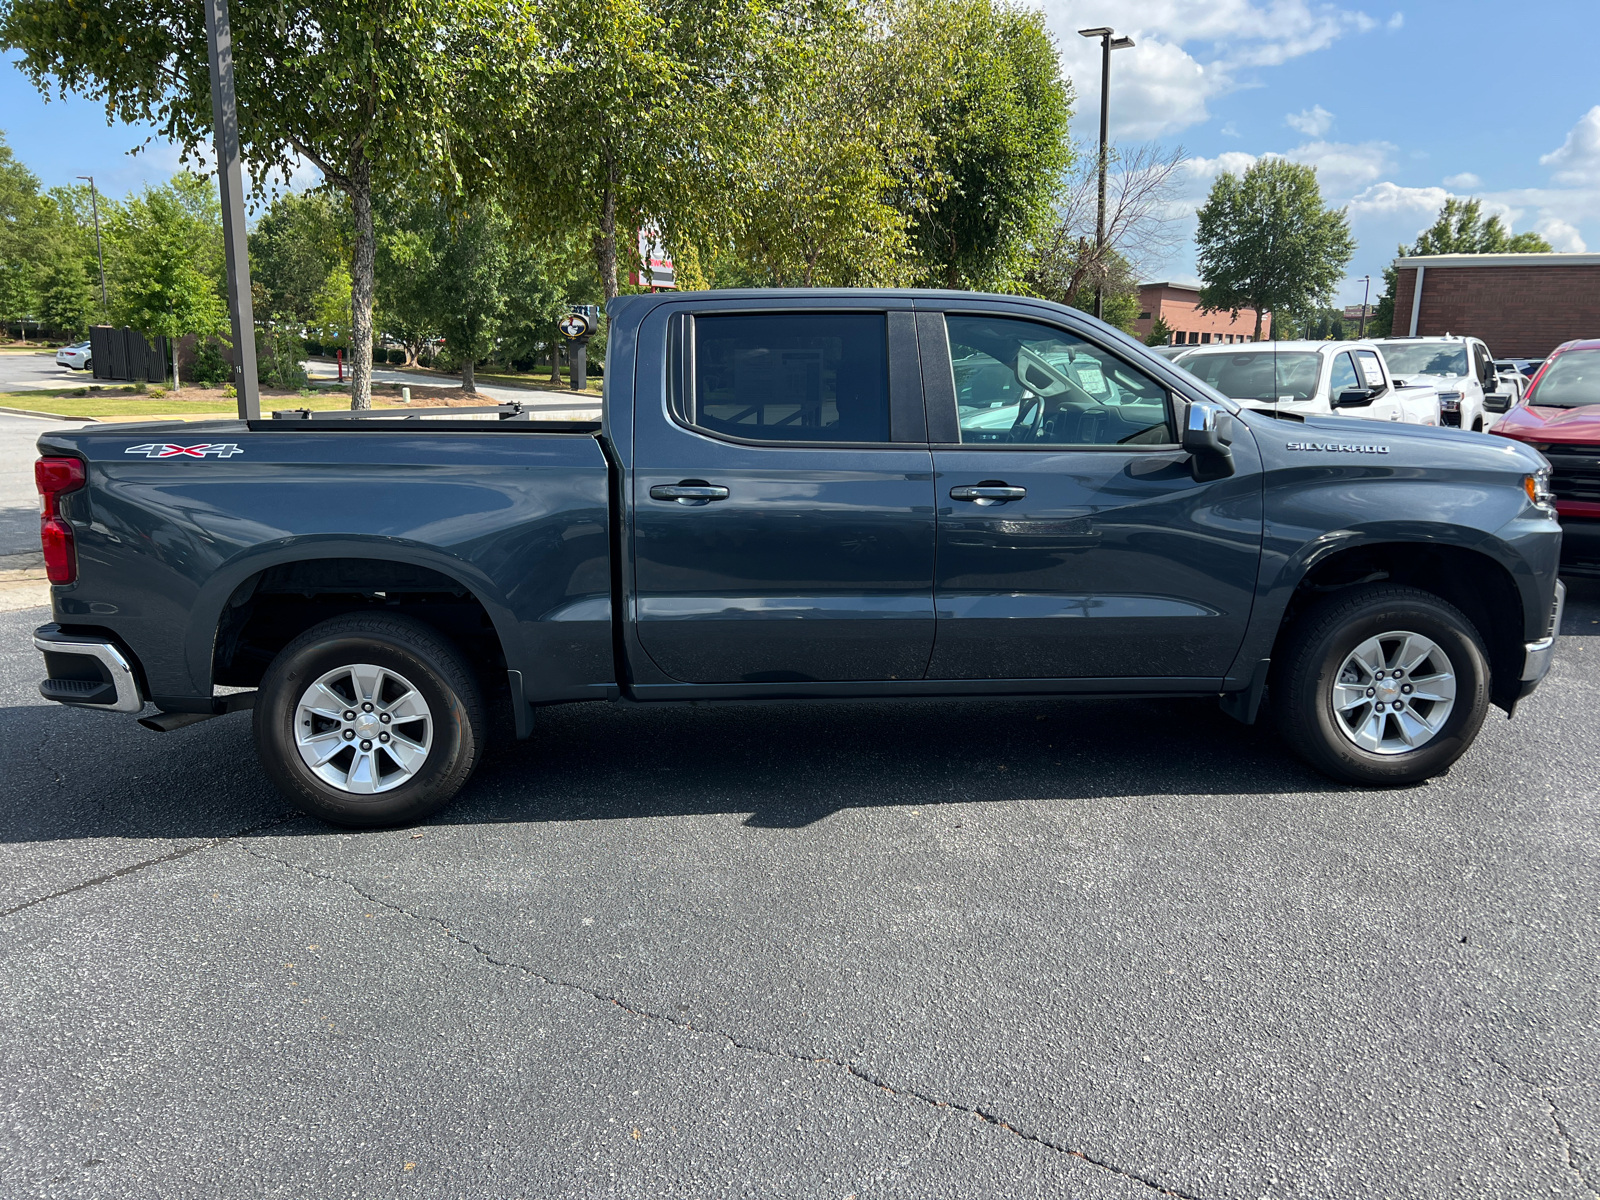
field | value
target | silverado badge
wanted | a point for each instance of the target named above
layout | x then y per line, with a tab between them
168	450
1338	447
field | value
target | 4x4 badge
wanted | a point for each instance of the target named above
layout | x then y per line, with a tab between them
1338	447
168	450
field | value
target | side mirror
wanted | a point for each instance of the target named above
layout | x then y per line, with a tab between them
1207	436
1357	399
1497	402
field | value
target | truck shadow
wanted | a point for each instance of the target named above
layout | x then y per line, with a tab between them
78	775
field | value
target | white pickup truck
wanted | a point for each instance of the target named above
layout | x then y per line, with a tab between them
1460	369
1346	379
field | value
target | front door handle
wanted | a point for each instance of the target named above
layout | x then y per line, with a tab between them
690	491
988	493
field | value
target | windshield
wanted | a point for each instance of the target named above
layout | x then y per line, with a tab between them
1258	374
1425	358
1570	380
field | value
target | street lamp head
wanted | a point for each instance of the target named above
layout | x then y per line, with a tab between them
1101	31
1122	43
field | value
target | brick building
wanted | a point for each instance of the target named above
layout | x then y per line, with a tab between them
1521	305
1179	306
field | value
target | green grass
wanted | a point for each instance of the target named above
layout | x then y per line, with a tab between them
128	403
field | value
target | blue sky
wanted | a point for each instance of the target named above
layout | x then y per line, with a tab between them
1397	107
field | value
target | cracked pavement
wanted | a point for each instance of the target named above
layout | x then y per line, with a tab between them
938	949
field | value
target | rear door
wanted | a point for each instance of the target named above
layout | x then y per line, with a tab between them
1073	540
783	498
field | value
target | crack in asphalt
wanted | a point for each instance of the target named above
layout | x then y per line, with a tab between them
1572	1160
183	852
849	1068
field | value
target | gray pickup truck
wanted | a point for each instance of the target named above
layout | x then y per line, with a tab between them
798	495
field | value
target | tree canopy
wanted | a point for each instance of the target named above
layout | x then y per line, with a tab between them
367	91
1266	241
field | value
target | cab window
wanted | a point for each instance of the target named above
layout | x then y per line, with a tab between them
792	377
1021	383
1344	377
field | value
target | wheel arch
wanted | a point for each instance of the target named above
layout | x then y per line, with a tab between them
1483	587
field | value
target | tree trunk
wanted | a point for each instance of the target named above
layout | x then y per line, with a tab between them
176	384
605	244
362	270
555	364
468	385
1256	337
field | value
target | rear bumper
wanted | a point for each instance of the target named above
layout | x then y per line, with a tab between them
87	672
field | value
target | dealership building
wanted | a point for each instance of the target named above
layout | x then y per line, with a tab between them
1521	305
1178	305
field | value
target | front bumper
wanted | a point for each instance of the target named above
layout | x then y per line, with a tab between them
1580	546
87	672
1537	655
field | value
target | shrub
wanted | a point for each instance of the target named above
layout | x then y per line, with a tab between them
313	348
397	357
424	359
157	392
230	392
210	368
278	357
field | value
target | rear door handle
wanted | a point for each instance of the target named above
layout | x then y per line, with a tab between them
690	491
988	493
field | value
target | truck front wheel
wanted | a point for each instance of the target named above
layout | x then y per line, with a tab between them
1382	685
369	721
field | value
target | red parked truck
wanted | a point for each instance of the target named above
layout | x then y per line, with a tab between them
1560	417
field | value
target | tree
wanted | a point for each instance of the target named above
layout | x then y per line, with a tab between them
1141	183
370	92
68	300
1160	333
645	118
22	218
297	242
997	122
1267	242
832	182
331	313
472	258
1460	228
166	259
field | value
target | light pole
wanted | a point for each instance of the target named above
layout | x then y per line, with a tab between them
1109	41
1365	292
230	182
94	203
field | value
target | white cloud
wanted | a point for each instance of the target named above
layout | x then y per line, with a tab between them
1187	52
1313	122
1466	180
1395	22
1562	236
1342	167
1577	160
1389	199
1231	129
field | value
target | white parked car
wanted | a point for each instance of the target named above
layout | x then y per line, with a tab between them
75	356
1461	369
1346	379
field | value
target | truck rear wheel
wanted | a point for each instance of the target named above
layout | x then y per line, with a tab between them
369	720
1382	685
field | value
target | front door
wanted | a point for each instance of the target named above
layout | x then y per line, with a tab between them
783	510
1073	540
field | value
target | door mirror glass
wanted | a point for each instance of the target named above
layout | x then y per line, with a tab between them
1356	398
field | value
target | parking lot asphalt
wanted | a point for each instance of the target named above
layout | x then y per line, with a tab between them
933	949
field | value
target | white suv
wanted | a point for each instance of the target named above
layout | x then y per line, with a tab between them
1346	379
1459	367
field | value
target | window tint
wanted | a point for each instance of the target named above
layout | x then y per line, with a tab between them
1344	377
800	377
1027	384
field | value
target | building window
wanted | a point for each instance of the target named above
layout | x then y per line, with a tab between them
1144	316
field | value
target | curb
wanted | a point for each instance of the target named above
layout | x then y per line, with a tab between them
29	412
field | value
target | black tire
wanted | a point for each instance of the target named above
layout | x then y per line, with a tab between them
428	662
1316	648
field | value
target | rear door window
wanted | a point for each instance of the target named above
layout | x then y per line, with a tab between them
792	377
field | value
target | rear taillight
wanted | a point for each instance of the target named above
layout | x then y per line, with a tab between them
55	477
